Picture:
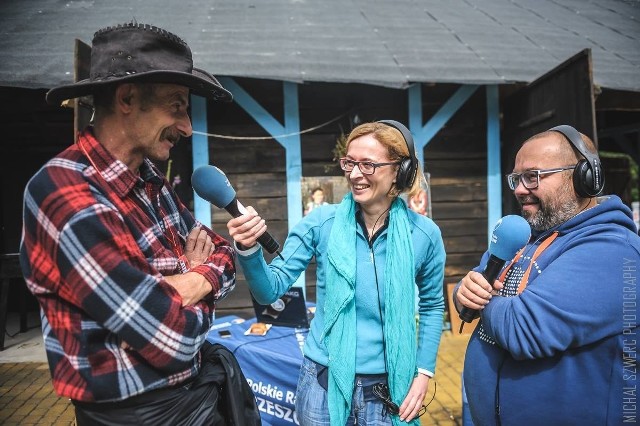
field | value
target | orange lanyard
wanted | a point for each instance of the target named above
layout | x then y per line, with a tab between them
525	278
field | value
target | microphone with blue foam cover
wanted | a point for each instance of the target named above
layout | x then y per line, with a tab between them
510	234
211	184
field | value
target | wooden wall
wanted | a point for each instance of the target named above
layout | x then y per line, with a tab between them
455	159
33	132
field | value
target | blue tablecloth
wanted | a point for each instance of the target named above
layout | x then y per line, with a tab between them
270	363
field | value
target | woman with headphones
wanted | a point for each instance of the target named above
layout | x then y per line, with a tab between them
365	362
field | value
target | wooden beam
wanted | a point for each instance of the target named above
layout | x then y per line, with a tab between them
287	135
494	170
200	153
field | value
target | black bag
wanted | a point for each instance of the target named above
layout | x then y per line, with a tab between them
237	402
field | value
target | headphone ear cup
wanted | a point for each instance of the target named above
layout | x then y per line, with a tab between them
583	180
404	174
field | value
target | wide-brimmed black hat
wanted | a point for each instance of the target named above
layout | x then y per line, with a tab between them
139	52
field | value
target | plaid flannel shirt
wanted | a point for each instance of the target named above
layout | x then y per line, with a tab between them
95	247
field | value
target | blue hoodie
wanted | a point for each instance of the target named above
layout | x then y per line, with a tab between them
564	351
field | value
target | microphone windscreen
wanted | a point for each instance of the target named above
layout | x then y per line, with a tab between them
510	234
211	184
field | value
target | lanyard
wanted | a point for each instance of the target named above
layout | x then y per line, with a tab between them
525	278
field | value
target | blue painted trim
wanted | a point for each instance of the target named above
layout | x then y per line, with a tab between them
494	170
415	120
294	156
294	162
446	111
200	153
288	136
423	134
252	107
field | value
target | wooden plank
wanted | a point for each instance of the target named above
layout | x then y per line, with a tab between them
82	65
455	180
454	167
321	168
255	156
465	244
267	208
459	210
458	227
258	184
318	147
476	191
458	264
466	153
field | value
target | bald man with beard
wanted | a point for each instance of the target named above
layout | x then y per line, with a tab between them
552	344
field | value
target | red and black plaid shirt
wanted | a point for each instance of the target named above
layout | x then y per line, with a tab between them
96	245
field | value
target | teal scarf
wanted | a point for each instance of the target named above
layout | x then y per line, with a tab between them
340	312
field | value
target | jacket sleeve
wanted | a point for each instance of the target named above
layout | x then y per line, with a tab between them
430	303
270	281
576	300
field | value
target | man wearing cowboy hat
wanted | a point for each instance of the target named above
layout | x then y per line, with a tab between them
127	279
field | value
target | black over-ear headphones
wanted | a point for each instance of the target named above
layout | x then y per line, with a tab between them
588	176
408	169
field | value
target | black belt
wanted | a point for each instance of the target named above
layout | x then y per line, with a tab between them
133	401
367	380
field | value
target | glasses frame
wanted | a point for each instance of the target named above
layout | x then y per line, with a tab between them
517	177
344	161
381	391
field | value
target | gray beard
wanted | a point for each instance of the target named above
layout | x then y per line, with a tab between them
546	219
553	213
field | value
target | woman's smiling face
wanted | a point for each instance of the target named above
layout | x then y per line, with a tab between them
370	191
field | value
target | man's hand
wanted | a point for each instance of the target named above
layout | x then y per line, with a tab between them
198	247
191	286
475	291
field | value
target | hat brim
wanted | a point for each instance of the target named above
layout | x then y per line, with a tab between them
199	82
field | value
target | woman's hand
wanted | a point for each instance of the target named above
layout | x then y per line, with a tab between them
246	229
413	401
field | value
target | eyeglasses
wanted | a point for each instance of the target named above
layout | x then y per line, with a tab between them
381	391
366	167
531	178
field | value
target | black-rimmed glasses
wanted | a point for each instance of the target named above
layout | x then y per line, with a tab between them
381	391
531	178
366	167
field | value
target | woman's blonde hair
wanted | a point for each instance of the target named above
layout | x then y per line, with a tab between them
397	149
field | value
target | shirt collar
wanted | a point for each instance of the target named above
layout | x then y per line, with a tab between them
363	226
113	171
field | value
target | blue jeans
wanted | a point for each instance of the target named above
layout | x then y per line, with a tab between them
312	407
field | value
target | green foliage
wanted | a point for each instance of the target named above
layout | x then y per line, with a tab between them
340	149
633	167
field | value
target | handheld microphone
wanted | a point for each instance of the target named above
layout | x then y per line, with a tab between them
211	184
510	234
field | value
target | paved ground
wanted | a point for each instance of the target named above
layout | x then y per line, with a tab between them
27	396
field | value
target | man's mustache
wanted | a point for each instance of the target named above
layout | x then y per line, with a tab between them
171	136
529	199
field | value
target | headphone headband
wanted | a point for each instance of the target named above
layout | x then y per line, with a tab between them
407	175
591	181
